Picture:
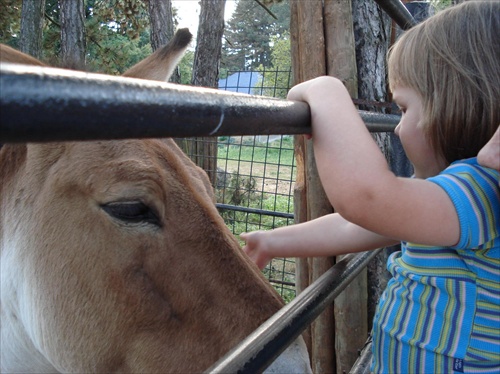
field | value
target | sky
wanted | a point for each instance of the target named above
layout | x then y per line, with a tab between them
189	11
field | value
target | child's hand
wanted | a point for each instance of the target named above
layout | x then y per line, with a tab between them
318	91
321	86
256	248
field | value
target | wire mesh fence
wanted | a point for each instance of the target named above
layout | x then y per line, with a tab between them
255	192
253	176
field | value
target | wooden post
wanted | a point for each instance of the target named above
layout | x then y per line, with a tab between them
300	214
350	309
309	61
323	43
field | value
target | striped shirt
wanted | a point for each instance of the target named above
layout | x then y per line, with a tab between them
440	313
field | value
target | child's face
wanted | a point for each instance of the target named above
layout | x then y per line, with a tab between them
426	162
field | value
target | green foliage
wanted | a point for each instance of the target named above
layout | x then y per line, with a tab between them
52	33
278	83
281	54
114	53
186	67
117	33
247	38
237	190
125	17
10	21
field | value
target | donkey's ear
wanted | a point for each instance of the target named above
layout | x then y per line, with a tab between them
160	65
8	54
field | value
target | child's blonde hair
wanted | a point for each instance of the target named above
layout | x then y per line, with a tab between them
452	61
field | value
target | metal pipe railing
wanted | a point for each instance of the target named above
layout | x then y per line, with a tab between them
364	361
265	212
41	104
398	12
261	348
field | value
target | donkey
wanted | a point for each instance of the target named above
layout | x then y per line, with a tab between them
115	259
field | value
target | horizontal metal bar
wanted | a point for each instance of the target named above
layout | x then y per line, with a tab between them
262	347
398	12
45	104
282	283
254	211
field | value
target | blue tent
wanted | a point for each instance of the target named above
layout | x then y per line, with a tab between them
242	81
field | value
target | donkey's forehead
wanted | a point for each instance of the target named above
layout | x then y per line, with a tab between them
125	160
134	154
115	149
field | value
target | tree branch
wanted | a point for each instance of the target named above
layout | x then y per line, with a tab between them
53	21
266	9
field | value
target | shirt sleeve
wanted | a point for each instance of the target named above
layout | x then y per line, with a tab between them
475	194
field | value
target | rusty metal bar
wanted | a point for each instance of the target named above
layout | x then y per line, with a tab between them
45	104
261	348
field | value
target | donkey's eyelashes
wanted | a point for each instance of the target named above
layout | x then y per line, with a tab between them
132	212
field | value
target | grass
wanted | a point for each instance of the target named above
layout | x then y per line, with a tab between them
259	175
248	149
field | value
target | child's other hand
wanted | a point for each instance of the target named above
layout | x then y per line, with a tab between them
256	248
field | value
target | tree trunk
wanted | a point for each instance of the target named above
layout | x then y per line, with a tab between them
73	34
32	12
206	73
162	27
209	43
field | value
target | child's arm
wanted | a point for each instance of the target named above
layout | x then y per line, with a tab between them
358	181
330	235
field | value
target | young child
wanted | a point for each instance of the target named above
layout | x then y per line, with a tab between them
440	312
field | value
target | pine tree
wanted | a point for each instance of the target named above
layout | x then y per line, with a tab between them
275	83
10	22
247	38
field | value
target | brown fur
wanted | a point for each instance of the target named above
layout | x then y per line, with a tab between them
8	54
108	296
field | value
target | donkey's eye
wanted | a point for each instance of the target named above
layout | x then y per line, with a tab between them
132	212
